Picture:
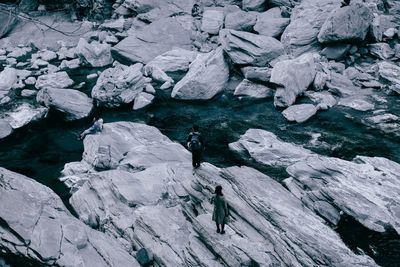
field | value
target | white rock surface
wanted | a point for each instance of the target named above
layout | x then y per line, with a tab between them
95	53
5	128
142	100
175	60
271	23
8	77
212	21
300	113
25	114
54	80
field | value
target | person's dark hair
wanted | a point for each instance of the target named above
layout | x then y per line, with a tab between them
218	190
195	127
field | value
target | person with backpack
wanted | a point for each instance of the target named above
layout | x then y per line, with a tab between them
95	128
221	211
196	145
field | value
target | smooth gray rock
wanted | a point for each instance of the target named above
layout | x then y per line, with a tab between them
174	60
300	36
95	53
54	80
119	85
349	23
8	77
73	104
5	128
271	23
212	21
381	50
294	76
254	90
254	5
336	51
260	74
145	44
300	113
37	227
250	49
207	77
240	20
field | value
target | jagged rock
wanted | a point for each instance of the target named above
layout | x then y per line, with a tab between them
323	100
255	5
389	72
152	10
249	48
300	36
300	113
8	77
212	21
248	88
349	23
119	85
336	67
70	64
320	80
381	50
95	53
54	80
380	24
28	93
73	104
114	25
341	86
152	40
271	23
142	100
357	102
263	148
260	74
25	114
174	60
207	77
386	122
336	51
285	3
5	129
240	20
294	76
37	227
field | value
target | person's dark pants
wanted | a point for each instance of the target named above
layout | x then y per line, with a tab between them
196	158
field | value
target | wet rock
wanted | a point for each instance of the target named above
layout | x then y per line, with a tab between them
307	18
271	23
254	5
349	23
254	90
153	40
73	104
240	20
8	77
25	114
5	129
250	49
142	100
300	113
294	76
119	85
258	74
381	50
336	51
386	122
54	80
207	77
96	54
38	228
212	21
174	60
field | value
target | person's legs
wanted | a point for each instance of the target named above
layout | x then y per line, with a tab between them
196	158
222	228
218	230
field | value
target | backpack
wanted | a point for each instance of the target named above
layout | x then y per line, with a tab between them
195	143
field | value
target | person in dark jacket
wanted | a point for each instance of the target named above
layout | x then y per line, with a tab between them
195	144
95	128
220	212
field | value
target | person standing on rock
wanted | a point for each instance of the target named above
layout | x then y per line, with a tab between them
95	128
220	212
196	145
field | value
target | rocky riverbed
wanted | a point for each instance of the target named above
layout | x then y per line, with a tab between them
297	100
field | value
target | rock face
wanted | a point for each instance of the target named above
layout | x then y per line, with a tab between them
250	49
207	77
119	85
95	53
300	113
174	60
349	23
294	76
300	36
212	21
129	200
152	40
271	23
248	88
74	104
54	80
37	227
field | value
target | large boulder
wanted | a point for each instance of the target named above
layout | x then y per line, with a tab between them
240	20
145	44
207	77
37	228
174	60
294	77
8	77
349	23
119	85
212	21
54	80
95	53
250	49
300	36
271	23
74	104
